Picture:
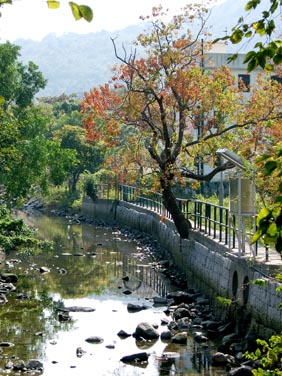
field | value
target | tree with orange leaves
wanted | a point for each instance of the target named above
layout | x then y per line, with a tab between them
176	111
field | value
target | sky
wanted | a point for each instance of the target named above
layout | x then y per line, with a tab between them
31	19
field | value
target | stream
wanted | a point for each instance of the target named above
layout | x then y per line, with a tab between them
96	272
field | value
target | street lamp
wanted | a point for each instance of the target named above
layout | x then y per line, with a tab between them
232	157
241	194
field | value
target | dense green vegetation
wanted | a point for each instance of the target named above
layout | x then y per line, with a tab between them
15	234
43	144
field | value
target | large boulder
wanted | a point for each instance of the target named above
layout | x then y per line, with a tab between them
146	331
135	358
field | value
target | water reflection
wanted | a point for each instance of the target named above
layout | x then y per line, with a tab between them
87	269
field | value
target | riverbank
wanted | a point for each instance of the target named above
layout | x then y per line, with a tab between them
241	335
109	275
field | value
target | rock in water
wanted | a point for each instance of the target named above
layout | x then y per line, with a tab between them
140	357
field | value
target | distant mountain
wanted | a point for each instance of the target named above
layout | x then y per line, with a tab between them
74	63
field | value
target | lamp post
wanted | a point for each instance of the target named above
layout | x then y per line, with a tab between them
239	188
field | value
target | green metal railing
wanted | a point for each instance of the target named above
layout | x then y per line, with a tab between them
212	220
209	219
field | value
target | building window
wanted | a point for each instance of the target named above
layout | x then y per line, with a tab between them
277	79
244	82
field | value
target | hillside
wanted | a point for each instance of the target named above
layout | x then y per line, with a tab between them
74	63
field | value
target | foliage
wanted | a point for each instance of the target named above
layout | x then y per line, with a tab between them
269	355
70	153
163	115
24	154
225	302
269	219
88	156
267	53
60	197
60	163
259	282
78	11
14	234
89	188
18	82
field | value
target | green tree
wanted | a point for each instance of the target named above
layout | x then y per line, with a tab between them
23	153
66	109
89	156
19	83
60	163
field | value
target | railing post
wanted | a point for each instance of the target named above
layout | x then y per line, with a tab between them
220	224
226	226
207	218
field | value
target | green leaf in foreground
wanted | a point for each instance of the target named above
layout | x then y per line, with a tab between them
81	11
52	4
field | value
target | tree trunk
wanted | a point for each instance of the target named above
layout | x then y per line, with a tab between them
73	182
181	223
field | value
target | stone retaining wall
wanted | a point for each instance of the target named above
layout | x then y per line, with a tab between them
210	265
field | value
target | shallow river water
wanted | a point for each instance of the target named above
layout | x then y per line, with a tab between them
86	269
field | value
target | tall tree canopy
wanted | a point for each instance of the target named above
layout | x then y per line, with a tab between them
19	83
23	145
177	112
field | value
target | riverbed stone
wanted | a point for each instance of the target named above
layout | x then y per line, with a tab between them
123	334
6	344
184	323
19	365
3	299
173	326
166	335
199	337
219	359
9	365
94	339
64	316
159	301
34	364
80	352
132	307
164	321
181	312
127	292
135	358
5	287
9	277
146	331
180	338
44	269
181	297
